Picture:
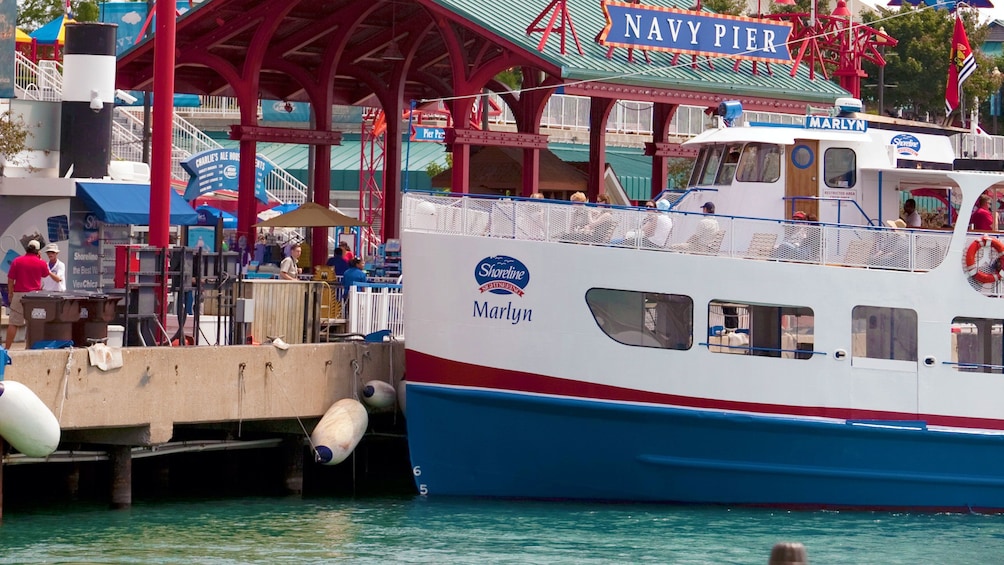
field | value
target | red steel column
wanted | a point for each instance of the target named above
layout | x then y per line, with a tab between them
322	183
599	110
662	115
163	126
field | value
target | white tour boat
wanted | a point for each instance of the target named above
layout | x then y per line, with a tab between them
798	347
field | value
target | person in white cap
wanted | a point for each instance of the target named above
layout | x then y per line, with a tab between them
56	281
25	275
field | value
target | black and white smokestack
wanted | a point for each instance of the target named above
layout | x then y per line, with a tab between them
85	134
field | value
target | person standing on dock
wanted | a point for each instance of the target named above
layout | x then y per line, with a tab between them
288	270
56	281
25	275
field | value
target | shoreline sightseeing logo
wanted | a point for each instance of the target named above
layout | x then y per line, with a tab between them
906	144
501	276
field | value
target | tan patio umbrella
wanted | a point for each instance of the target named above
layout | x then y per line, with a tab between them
311	215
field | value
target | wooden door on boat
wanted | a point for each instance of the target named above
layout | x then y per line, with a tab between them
802	177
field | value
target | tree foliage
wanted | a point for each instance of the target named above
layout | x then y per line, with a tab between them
33	14
13	138
916	69
731	7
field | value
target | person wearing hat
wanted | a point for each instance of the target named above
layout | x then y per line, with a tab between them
56	281
708	207
25	275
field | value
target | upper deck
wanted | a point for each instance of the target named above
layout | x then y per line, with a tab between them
656	231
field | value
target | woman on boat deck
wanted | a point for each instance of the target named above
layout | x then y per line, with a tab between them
982	219
599	222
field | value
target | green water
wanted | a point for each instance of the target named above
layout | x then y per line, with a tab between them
416	530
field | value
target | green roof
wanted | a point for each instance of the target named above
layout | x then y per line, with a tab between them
511	22
632	167
345	160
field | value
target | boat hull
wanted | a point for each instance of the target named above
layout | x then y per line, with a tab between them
511	444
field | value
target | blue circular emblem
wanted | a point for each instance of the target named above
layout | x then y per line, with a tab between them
230	172
906	144
802	156
501	275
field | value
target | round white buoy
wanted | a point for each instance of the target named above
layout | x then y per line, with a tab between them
402	394
379	394
26	422
339	431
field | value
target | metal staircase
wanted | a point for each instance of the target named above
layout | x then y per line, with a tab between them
44	82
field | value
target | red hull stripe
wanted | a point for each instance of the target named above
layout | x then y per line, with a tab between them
423	368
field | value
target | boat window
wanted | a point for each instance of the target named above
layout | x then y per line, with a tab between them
976	345
728	169
646	319
710	170
761	162
884	333
840	167
763	330
698	172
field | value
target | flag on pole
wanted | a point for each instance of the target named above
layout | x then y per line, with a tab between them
961	64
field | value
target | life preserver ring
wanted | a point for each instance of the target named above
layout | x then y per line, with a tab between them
971	263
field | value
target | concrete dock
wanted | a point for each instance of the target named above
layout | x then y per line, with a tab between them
166	399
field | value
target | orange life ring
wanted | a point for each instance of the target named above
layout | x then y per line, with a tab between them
970	262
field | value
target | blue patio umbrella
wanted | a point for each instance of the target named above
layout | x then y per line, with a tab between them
208	216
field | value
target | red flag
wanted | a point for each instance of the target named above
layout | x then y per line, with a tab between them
961	64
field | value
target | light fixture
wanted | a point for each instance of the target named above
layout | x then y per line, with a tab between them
841	10
393	51
96	103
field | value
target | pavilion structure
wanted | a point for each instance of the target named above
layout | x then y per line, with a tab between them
388	53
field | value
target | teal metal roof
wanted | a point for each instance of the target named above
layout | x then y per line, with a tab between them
632	167
511	22
346	158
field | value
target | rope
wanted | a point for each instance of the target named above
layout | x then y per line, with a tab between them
66	381
240	398
317	456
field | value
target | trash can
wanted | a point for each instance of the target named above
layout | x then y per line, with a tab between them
49	316
96	310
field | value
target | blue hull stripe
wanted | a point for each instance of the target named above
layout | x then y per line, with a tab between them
476	442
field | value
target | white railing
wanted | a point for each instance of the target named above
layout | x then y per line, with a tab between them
376	306
685	232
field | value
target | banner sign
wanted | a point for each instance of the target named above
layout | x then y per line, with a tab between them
425	133
656	28
217	169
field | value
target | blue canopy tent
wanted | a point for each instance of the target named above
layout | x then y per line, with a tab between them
127	203
209	215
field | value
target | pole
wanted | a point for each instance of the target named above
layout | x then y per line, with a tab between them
881	82
163	126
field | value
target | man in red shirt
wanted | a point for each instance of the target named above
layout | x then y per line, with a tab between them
25	275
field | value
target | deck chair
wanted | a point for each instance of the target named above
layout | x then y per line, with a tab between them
761	246
858	253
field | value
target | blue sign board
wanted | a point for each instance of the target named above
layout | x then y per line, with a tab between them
217	169
656	28
425	133
833	123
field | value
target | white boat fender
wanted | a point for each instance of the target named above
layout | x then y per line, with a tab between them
26	422
379	394
339	431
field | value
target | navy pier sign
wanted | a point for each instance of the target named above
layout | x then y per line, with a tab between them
655	28
216	169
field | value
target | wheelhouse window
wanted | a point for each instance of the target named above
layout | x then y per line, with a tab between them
763	330
840	166
727	170
976	345
760	162
711	161
884	333
645	319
